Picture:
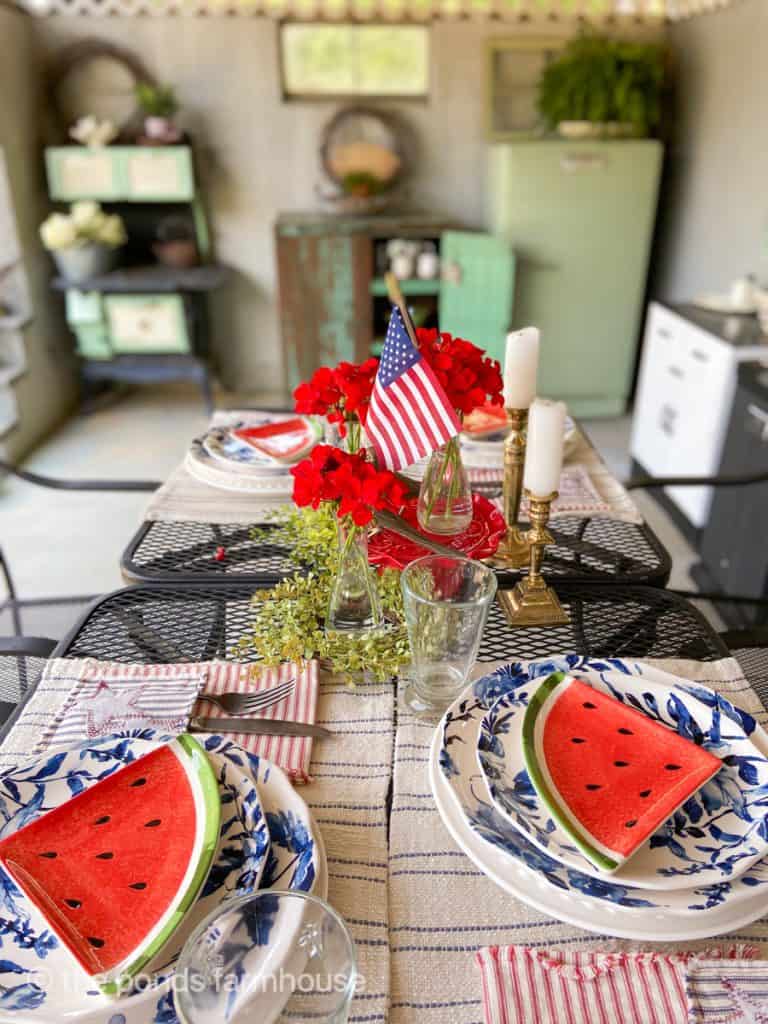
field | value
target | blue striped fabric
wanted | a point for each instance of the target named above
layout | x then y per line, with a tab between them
732	992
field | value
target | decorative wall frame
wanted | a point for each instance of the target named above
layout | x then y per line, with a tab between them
75	60
513	67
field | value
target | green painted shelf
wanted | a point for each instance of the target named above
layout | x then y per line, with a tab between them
413	286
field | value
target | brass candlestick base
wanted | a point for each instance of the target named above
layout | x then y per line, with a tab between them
532	602
514	552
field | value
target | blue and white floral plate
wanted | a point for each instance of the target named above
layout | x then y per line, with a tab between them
232	453
525	871
267	838
716	835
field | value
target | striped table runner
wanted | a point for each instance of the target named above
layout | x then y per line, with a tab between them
443	908
348	795
537	986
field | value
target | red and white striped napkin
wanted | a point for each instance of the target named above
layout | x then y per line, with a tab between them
291	753
522	985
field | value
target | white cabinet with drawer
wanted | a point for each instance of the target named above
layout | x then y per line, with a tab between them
685	392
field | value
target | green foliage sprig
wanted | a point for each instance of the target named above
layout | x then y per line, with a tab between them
156	100
604	80
288	623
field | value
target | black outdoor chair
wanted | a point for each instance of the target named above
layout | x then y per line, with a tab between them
22	658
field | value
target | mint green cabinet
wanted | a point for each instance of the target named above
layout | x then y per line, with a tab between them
477	289
107	326
580	217
134	174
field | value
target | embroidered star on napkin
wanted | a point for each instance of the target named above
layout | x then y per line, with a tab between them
112	709
745	1004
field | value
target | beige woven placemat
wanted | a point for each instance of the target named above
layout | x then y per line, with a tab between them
185	498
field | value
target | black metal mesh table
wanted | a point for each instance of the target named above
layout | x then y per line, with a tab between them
585	550
197	622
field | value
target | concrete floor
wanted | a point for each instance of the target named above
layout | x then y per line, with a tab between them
70	543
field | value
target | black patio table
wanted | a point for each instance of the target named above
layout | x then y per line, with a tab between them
197	622
200	622
586	550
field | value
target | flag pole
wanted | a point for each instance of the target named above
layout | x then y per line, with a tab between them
396	298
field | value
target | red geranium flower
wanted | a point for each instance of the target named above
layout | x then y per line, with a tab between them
468	377
341	394
350	480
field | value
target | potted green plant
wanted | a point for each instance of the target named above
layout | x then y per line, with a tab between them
603	87
83	242
158	103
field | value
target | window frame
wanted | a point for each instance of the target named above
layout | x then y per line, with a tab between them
353	97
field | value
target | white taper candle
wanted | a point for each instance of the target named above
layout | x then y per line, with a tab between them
521	365
544	450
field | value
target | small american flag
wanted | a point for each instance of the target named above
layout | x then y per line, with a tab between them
409	416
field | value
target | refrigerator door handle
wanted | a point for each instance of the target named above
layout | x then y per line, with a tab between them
573	162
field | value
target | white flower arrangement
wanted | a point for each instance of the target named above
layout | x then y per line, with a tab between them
93	133
86	223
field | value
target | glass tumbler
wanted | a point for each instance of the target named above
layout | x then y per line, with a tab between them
267	958
446	604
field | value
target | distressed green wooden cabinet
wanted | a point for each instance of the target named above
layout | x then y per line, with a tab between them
143	320
333	298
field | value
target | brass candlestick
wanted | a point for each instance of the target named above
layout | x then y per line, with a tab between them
532	602
514	551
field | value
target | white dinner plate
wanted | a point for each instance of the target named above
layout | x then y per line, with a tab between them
526	872
42	982
689	848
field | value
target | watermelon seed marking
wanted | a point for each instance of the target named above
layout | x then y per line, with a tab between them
103	820
621	764
153	824
138	782
626	732
49	855
104	856
589	704
577	739
672	767
138	885
73	903
645	792
593	786
630	824
96	943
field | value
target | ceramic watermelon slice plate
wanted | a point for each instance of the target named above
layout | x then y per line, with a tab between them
285	441
609	775
115	869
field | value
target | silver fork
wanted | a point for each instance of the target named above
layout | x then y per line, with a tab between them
248	703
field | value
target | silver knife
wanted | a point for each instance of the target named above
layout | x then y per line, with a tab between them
257	727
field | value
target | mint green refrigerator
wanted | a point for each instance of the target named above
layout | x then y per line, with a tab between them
579	217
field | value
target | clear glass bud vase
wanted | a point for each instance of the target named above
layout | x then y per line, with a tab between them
354	604
445	497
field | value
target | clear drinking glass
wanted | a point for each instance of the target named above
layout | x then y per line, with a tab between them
446	605
269	958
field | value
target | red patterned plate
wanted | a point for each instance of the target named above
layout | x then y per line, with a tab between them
482	537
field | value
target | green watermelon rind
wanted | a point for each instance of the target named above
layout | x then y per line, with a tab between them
538	776
198	767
